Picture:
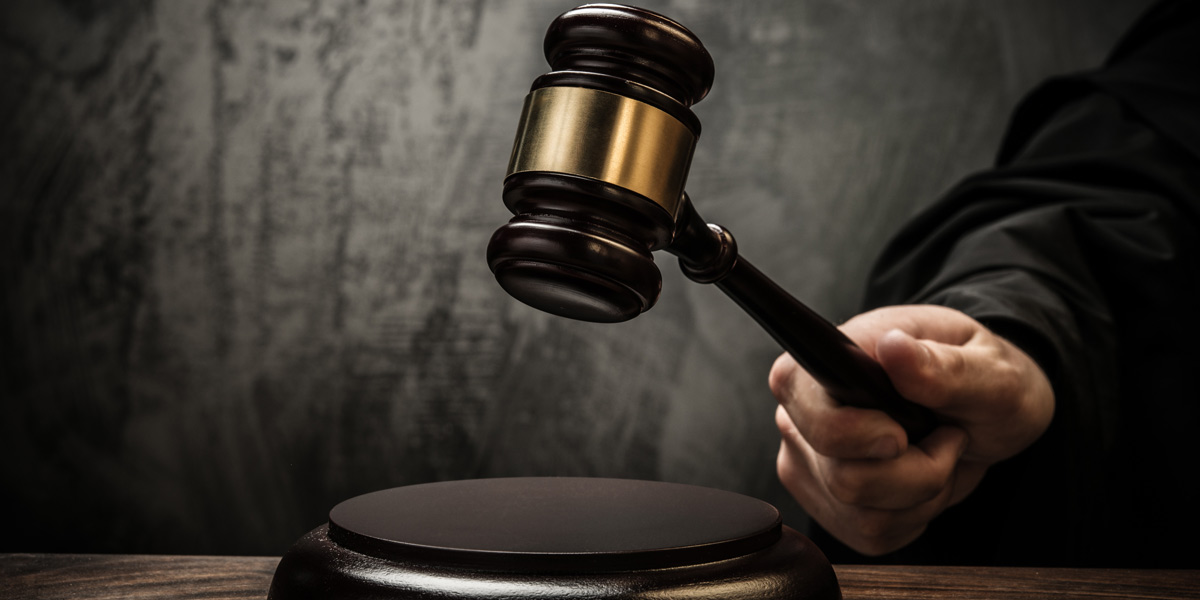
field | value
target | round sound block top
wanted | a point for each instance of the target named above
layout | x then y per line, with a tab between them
560	524
553	539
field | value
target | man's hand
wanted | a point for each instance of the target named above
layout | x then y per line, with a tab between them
854	470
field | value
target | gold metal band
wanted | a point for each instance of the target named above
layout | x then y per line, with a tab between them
604	136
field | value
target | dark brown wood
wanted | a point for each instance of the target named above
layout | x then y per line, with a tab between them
708	254
971	583
844	369
316	568
101	577
631	44
133	577
595	265
553	538
576	524
582	249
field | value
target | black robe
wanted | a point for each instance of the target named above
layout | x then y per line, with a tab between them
1082	247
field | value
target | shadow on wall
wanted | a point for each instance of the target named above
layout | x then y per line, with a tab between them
242	247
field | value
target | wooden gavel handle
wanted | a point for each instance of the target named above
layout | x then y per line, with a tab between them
845	370
708	254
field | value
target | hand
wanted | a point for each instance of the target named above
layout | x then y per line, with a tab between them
855	471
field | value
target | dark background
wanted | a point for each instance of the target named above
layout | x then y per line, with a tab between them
242	247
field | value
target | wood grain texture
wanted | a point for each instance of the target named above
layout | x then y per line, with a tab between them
100	577
241	247
97	577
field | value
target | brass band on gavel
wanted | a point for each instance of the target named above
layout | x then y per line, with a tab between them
607	137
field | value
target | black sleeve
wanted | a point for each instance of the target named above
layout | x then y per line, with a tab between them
1082	247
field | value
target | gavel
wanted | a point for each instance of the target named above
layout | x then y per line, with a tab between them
596	184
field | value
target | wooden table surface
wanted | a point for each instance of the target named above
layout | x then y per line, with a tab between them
64	576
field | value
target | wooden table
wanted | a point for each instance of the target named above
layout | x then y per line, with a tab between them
65	576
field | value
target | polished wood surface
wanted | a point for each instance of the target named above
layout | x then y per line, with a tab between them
75	577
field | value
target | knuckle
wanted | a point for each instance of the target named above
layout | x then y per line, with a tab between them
1008	389
822	435
1005	373
845	486
943	380
954	363
834	433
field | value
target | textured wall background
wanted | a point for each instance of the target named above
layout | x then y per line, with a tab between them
242	247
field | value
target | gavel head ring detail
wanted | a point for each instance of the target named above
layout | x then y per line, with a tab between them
596	183
599	164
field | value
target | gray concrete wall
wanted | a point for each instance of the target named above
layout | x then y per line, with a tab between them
242	247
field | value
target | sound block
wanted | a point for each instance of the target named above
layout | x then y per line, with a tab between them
554	538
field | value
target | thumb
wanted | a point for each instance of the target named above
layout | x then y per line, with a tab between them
924	371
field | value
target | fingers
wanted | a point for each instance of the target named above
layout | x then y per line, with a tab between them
985	385
934	356
932	373
935	323
874	520
832	429
919	475
852	470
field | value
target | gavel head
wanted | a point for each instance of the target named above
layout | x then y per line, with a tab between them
598	167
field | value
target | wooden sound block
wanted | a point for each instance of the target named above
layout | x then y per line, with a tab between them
554	538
